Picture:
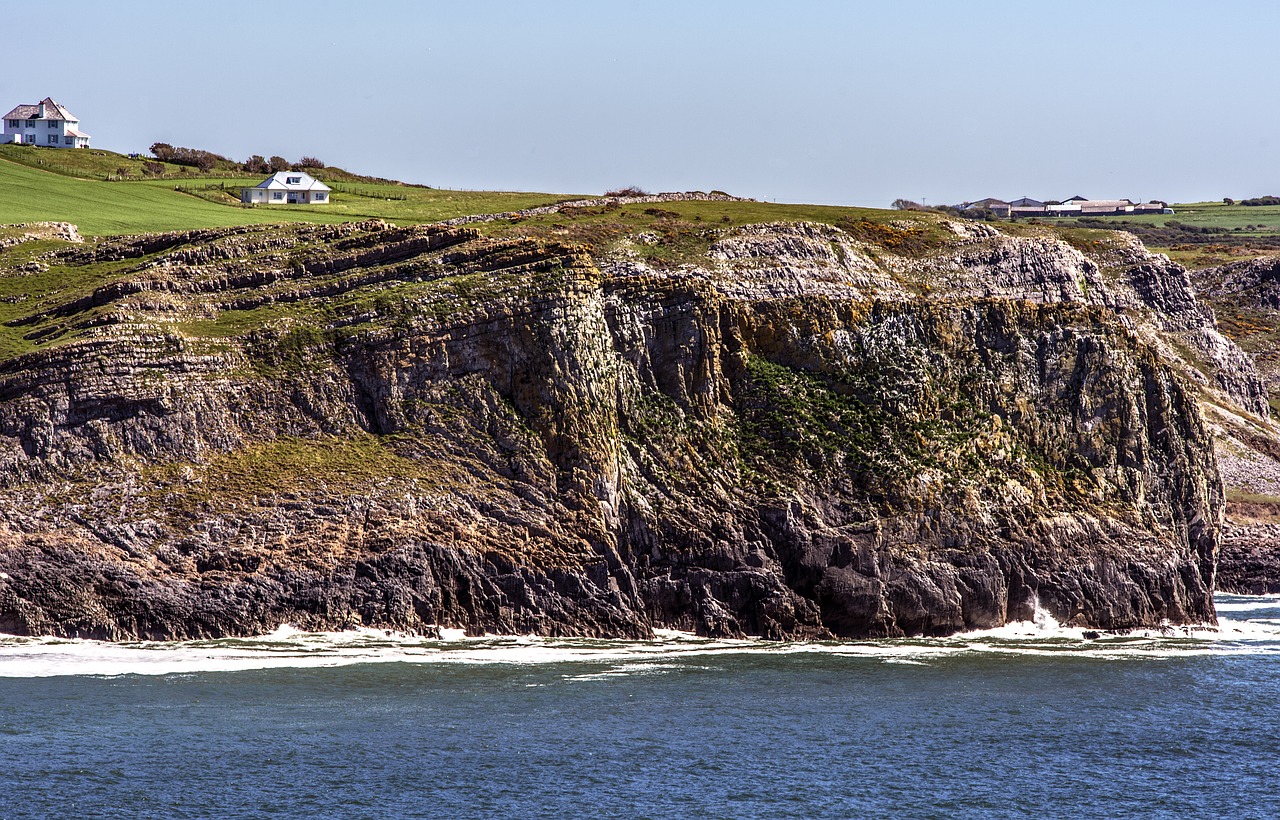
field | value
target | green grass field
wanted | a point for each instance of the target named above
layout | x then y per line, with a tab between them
362	200
31	195
45	187
84	163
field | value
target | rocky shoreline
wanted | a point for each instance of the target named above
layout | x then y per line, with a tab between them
804	435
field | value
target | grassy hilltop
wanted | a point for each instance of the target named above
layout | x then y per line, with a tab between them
107	194
39	184
85	188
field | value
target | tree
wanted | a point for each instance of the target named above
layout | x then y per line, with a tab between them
310	162
1226	200
279	164
256	164
907	205
162	151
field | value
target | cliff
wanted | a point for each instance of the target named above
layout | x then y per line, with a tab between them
1246	296
792	430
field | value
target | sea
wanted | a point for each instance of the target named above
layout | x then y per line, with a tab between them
1030	720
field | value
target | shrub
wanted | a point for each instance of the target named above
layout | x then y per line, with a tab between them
278	164
193	157
153	168
256	164
309	162
630	190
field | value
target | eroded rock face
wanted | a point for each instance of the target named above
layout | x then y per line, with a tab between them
424	428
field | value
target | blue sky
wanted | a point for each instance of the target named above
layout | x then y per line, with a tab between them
831	102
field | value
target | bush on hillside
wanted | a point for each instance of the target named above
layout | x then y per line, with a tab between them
1261	200
309	162
630	190
192	157
279	164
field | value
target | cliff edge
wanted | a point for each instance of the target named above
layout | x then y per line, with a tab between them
789	429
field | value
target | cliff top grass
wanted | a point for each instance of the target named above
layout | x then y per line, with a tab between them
105	194
84	187
49	184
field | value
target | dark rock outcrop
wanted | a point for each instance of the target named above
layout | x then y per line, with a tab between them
413	428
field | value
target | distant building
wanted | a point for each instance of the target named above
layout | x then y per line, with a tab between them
287	188
1079	206
997	207
45	123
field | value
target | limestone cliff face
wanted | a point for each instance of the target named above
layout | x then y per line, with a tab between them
801	435
1246	296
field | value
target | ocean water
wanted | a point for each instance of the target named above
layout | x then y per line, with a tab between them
1031	720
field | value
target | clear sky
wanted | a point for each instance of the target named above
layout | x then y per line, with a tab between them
830	102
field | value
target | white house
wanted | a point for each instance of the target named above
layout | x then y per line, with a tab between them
45	123
287	187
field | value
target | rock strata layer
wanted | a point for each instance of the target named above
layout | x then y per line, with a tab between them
801	435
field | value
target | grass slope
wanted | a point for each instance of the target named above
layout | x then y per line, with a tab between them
84	163
68	186
353	201
98	208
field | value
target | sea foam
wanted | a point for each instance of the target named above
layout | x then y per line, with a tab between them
601	660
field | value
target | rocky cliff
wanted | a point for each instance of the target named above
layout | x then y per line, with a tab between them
793	430
1246	297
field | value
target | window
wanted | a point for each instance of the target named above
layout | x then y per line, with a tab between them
31	123
15	123
277	194
293	180
52	123
318	196
53	139
68	140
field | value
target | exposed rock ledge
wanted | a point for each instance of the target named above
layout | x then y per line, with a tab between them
512	437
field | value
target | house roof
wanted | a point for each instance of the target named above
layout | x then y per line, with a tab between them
23	112
71	132
986	203
279	182
52	110
1076	198
1026	202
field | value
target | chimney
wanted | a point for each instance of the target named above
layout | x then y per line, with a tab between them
41	110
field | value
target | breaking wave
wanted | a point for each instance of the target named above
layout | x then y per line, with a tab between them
1253	628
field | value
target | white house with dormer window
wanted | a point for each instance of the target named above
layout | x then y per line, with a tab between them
46	123
287	188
